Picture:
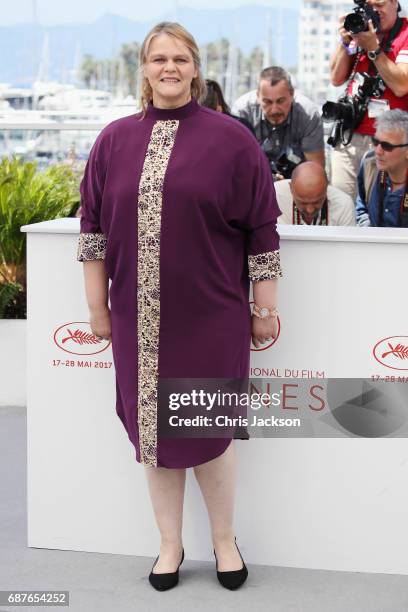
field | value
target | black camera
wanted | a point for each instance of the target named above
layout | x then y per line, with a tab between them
349	110
284	164
357	21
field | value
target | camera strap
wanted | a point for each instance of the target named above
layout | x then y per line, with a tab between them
403	213
324	215
355	64
395	30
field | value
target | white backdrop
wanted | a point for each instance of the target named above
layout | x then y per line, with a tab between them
337	503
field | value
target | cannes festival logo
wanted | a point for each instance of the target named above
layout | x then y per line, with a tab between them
268	344
392	352
77	338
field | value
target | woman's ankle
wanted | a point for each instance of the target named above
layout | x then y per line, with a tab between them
171	543
225	537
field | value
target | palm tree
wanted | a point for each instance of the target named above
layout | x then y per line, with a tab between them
130	55
89	70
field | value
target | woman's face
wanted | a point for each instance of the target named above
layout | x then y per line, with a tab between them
169	69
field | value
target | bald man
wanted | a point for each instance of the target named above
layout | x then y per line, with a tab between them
308	199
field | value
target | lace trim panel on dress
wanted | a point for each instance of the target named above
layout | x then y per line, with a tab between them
264	266
148	282
91	246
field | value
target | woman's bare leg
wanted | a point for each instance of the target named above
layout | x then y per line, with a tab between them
166	488
216	479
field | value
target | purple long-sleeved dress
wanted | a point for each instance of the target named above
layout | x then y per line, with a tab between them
181	207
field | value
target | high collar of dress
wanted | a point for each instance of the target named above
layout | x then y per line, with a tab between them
181	112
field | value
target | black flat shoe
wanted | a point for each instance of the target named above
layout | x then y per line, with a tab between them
163	582
232	580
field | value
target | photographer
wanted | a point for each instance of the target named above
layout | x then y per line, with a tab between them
382	199
287	125
308	199
384	53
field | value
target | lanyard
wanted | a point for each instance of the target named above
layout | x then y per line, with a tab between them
281	130
324	217
403	212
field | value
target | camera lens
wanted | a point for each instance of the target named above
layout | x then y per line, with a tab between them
329	111
355	23
343	110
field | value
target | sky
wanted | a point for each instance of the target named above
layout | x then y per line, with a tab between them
50	12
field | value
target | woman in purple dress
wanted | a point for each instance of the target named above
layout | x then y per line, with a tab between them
178	210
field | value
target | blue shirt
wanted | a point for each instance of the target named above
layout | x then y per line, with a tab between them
367	213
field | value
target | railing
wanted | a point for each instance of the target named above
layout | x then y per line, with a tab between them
94	119
33	134
54	136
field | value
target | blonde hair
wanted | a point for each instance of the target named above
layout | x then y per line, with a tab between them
198	86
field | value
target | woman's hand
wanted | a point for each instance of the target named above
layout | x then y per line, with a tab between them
101	323
263	330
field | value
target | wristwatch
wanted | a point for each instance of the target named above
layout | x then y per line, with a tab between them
372	55
264	312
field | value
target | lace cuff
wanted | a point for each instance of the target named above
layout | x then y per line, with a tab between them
91	246
264	266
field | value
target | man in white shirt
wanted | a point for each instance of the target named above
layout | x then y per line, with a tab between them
308	199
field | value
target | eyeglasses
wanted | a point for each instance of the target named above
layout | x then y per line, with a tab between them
387	146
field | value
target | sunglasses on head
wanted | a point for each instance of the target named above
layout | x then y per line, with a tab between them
387	146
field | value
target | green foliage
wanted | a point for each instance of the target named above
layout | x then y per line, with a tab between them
8	291
29	196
